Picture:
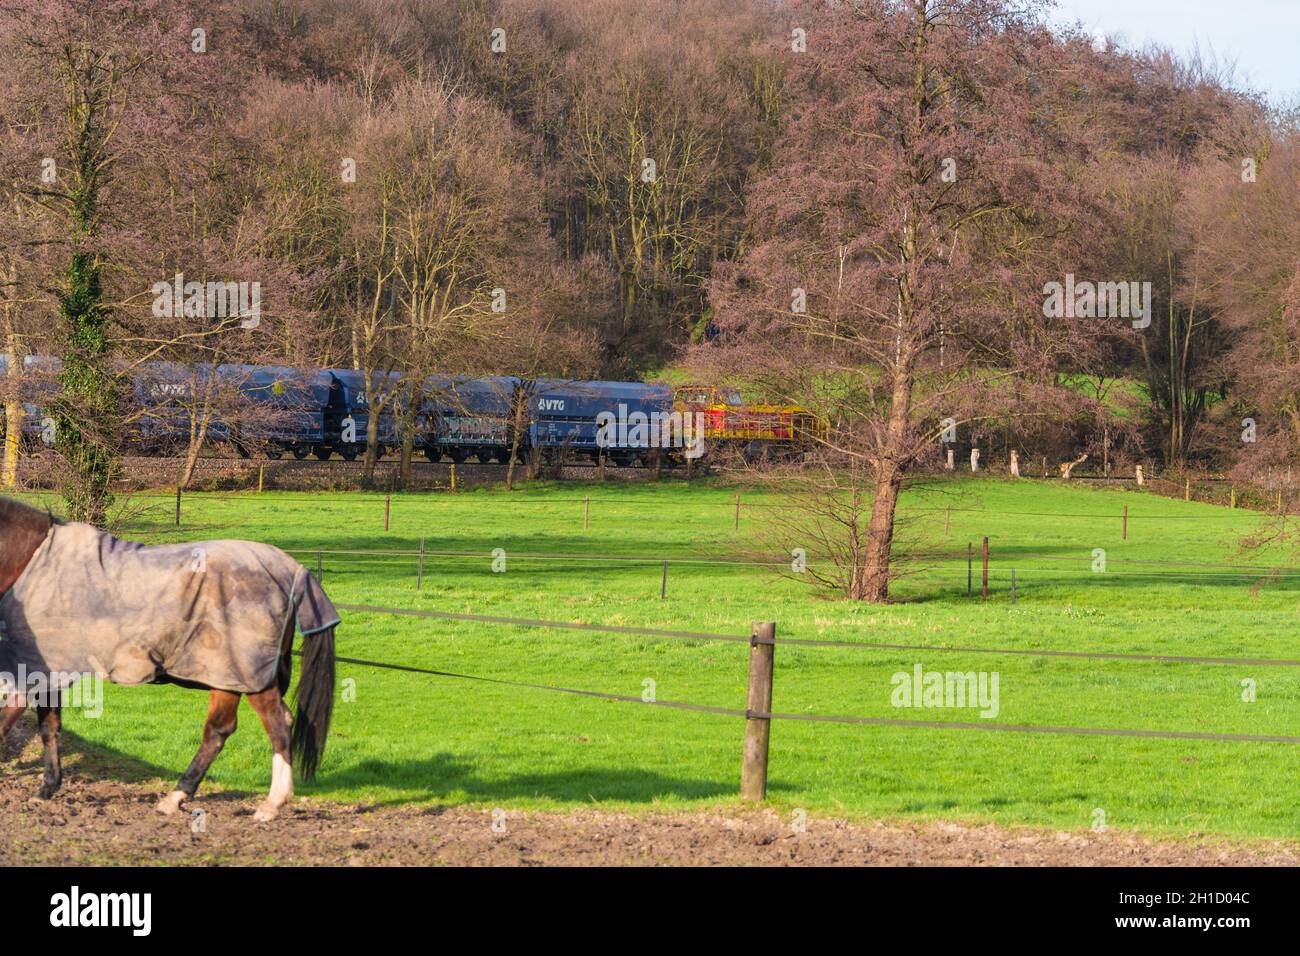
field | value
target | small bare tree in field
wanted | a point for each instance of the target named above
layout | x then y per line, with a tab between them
917	203
821	523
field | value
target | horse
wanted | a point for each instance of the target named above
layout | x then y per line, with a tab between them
218	616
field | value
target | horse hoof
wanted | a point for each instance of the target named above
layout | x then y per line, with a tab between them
170	803
47	791
266	813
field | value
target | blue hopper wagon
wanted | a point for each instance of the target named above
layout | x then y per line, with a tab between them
620	421
469	418
286	410
347	415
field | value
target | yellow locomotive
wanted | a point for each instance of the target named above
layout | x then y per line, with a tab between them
756	430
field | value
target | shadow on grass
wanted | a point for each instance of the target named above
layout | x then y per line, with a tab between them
447	776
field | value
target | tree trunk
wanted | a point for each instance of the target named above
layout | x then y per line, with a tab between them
510	464
874	582
13	415
192	449
199	430
516	435
87	415
408	449
892	453
888	472
86	409
372	445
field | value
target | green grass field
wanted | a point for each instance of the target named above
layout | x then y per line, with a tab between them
415	738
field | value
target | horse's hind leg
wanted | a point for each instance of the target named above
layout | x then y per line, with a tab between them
49	720
270	706
223	718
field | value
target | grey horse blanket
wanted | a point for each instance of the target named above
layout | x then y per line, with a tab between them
213	613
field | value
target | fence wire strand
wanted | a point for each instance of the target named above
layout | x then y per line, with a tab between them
834	718
533	622
813	642
1212	570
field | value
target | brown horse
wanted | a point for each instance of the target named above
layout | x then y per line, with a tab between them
218	616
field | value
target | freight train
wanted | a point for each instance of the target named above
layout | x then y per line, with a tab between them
276	411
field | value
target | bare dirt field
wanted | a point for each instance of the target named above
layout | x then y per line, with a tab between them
104	822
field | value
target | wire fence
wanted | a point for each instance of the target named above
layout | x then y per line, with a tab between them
725	507
756	763
773	561
1131	568
1202	572
349	561
803	641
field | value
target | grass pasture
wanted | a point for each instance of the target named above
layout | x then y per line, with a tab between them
416	738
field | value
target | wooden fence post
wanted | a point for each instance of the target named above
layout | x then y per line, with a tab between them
1187	489
947	519
586	510
319	569
758	729
178	506
388	506
1233	502
984	587
970	557
419	571
1013	586
453	476
261	476
737	524
663	589
1124	536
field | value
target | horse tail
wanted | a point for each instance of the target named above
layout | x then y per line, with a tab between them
315	702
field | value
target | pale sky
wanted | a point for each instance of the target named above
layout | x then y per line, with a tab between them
1261	36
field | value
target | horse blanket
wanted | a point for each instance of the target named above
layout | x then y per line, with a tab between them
212	613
